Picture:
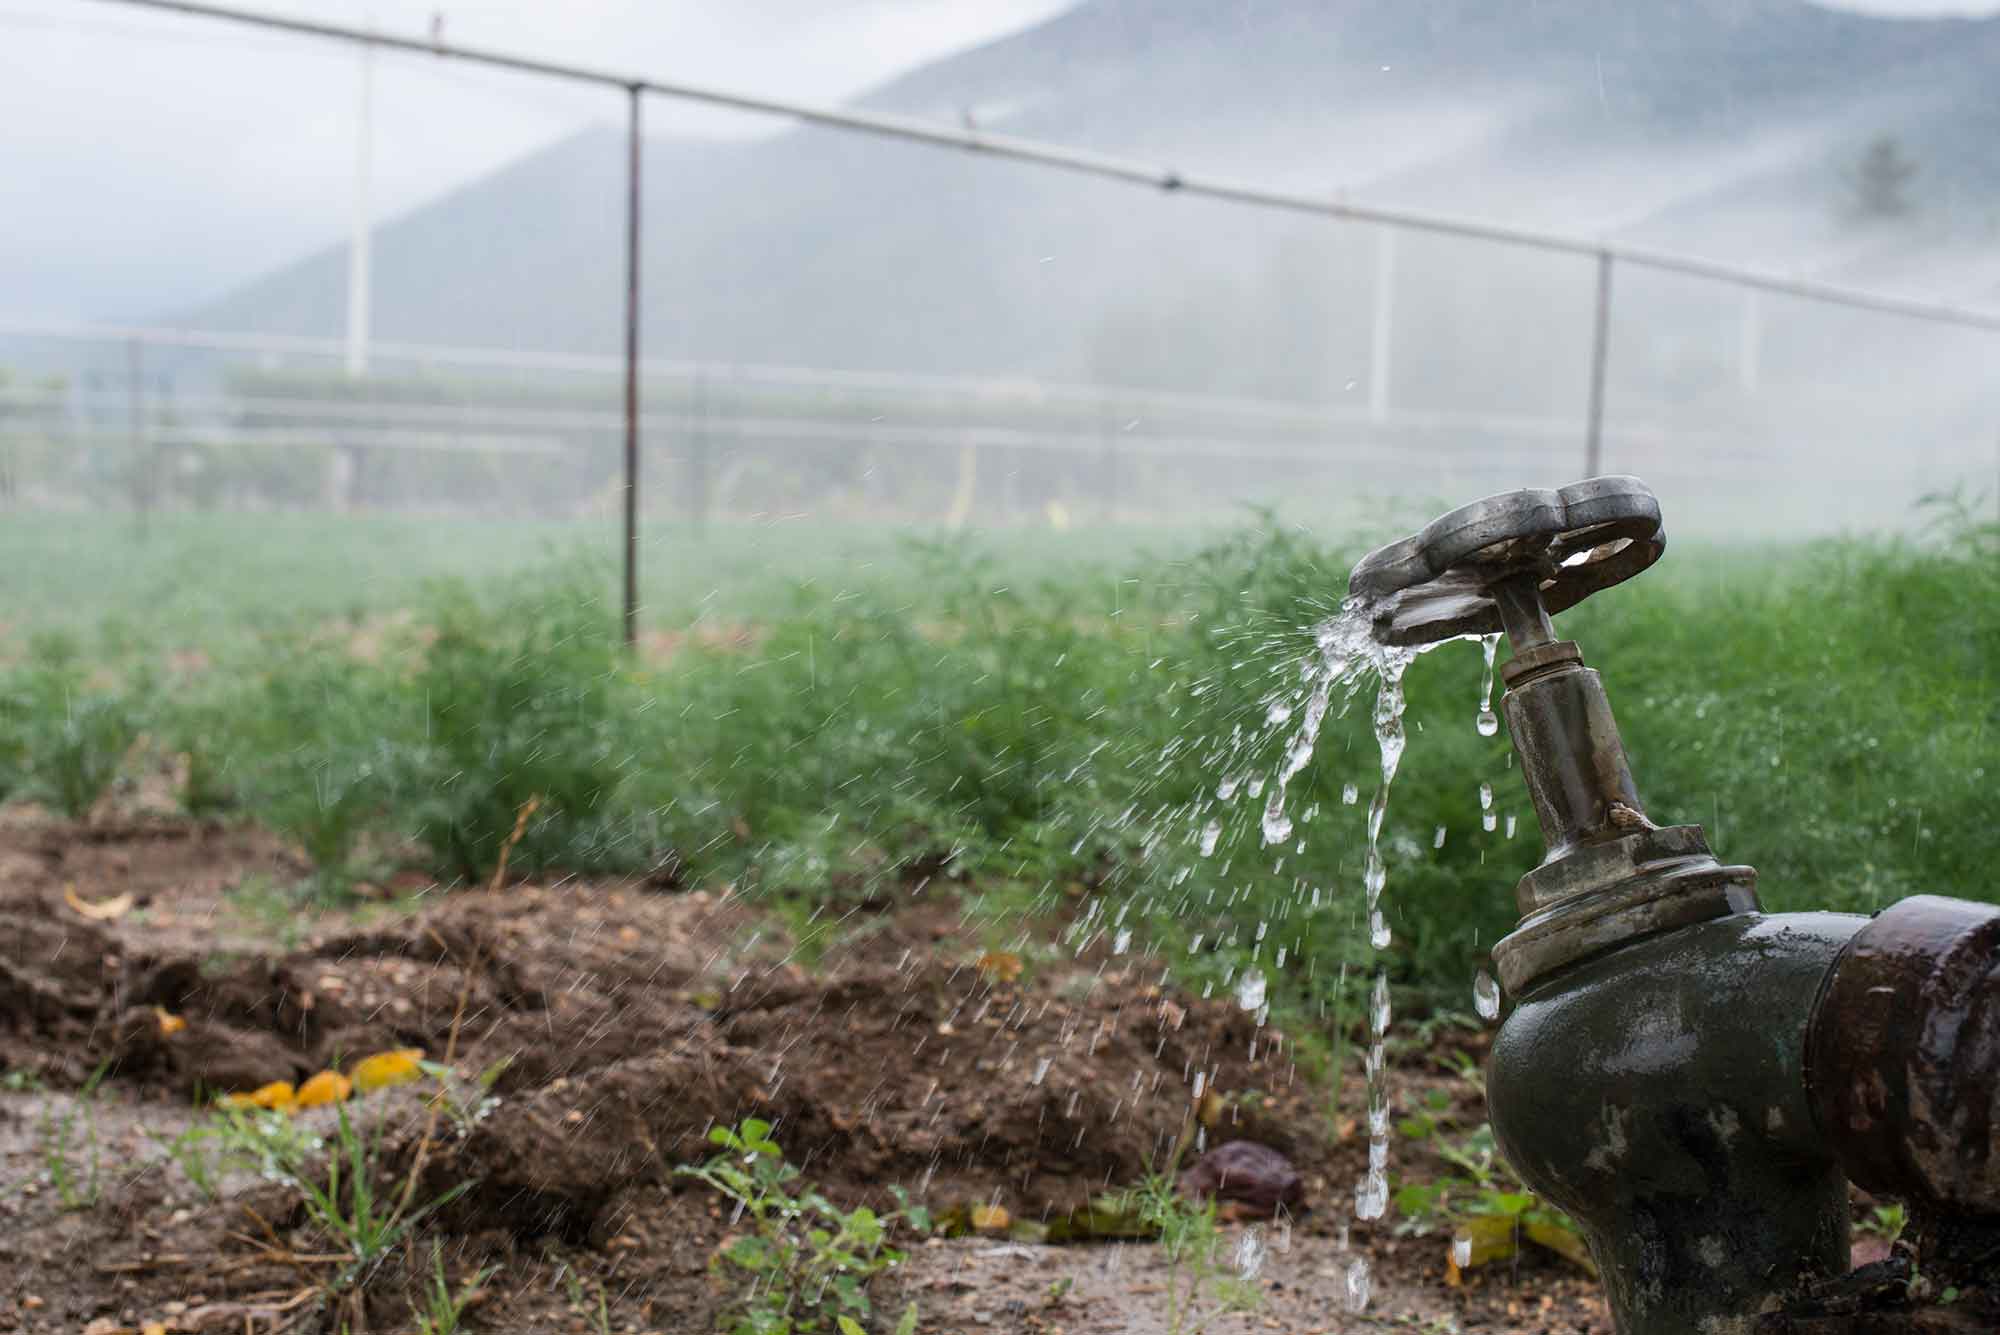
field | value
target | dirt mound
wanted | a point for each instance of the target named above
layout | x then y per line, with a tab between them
624	1025
617	1024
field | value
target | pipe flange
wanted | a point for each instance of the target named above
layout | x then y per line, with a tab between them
1575	540
1903	1055
1646	883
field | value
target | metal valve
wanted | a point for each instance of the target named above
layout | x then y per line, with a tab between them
1507	562
1504	564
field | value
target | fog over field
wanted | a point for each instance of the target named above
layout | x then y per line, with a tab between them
1839	145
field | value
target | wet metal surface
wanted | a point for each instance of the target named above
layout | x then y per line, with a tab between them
1437	583
1696	1081
1905	1055
1657	1094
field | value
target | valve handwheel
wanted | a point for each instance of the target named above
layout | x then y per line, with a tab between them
1555	548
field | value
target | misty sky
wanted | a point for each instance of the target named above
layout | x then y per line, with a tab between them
152	160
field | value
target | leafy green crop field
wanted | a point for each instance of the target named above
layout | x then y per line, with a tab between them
1038	718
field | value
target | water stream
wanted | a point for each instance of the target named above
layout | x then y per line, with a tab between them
1347	656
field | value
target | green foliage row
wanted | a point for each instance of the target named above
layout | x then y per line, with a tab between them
1829	713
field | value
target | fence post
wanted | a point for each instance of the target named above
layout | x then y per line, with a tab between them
699	482
1107	435
633	93
1600	347
135	411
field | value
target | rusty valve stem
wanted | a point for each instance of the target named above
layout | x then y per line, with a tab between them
1610	874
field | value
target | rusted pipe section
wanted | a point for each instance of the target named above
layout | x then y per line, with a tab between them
1571	755
1903	1056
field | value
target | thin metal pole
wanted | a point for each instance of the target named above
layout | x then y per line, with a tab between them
1600	348
698	488
135	411
631	618
358	223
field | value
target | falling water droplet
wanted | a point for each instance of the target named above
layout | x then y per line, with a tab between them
1122	942
1350	794
1379	935
1488	820
1357	1285
1487	721
1486	797
1371	1196
1378	1003
1510	827
1250	989
1226	790
1485	996
1250	1253
1210	833
1041	1071
1461	1251
1437	840
1277	825
1278	713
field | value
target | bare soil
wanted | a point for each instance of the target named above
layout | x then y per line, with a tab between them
631	1020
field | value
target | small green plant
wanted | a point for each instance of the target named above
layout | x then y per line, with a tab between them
79	1185
71	739
1200	1287
269	1143
444	1306
1484	1197
326	797
1886	1222
519	710
369	1227
808	1262
580	1295
21	1082
466	1103
197	1152
271	907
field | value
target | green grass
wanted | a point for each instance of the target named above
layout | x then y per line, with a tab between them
1027	715
211	582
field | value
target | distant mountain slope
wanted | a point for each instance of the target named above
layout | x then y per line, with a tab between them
1717	126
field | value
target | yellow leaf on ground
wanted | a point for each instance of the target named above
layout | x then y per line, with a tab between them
397	1067
153	1328
1000	966
1563	1242
99	910
169	1022
277	1096
993	1217
1494	1237
326	1087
